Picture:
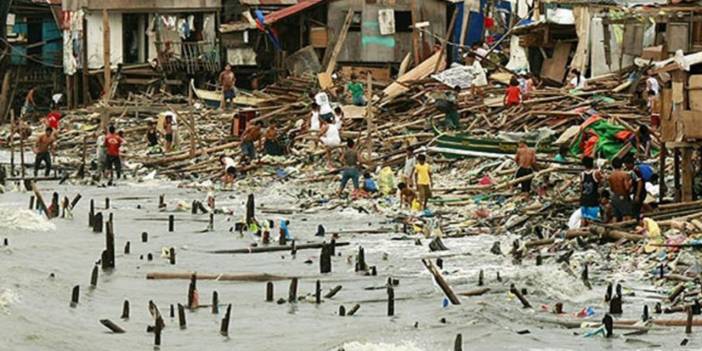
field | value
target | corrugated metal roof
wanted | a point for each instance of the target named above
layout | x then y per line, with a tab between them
276	16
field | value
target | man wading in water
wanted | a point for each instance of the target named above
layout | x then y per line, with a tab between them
43	150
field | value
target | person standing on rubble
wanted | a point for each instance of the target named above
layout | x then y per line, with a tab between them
271	141
252	135
590	180
29	104
479	77
113	143
423	179
638	182
43	149
620	184
168	132
526	160
227	80
351	171
410	162
355	88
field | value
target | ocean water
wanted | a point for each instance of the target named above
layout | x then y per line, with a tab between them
45	259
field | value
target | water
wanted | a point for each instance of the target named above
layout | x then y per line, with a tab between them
35	312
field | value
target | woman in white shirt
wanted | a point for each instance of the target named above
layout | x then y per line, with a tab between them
329	136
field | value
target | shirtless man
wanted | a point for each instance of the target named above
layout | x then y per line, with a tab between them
526	159
43	150
168	132
620	184
252	135
227	80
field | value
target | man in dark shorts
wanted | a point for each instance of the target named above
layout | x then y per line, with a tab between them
168	132
525	158
590	181
620	184
43	149
227	81
113	143
252	134
351	167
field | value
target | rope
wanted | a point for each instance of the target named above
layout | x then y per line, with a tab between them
43	63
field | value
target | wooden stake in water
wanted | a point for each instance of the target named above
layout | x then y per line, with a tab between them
107	203
688	326
144	237
342	311
125	310
318	292
112	326
171	224
31	202
513	289
91	214
458	343
333	292
181	316
292	294
172	255
353	310
269	292
325	264
250	210
391	301
127	248
75	294
215	302
224	329
94	277
192	290
97	223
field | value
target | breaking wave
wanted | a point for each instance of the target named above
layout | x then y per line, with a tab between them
14	219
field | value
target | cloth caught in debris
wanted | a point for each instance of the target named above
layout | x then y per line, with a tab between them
457	75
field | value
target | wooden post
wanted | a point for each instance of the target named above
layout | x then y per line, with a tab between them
172	255
224	329
192	288
97	223
416	46
361	260
144	237
513	289
109	246
439	279
215	302
193	134
181	316
91	214
369	116
125	310
608	322
688	326
353	310
661	172
107	87
94	277
21	154
391	301
325	265
292	294
84	58
250	210
481	277
75	294
342	311
458	343
127	248
676	173
318	292
339	44
112	326
31	202
171	224
442	52
333	292
269	292
158	328
12	142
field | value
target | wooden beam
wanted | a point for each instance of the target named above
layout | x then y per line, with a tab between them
416	17
339	42
439	279
107	87
442	53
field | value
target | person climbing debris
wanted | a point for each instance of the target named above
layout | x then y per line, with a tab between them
638	181
407	195
152	139
526	160
227	81
369	184
330	138
423	179
229	168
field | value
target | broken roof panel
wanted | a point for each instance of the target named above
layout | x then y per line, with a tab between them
268	2
289	11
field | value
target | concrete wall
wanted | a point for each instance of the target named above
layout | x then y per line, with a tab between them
368	45
95	39
144	5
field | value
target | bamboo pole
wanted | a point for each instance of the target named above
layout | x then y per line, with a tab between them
243	277
107	71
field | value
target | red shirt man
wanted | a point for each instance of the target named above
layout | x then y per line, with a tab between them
113	142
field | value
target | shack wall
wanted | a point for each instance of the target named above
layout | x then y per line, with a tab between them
143	5
366	44
95	39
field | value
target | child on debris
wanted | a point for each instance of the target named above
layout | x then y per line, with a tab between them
576	80
407	196
355	88
641	140
479	78
452	119
620	183
168	132
325	110
152	138
369	184
423	179
271	143
590	180
513	96
229	169
525	159
562	155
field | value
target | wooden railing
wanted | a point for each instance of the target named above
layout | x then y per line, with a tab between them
190	57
